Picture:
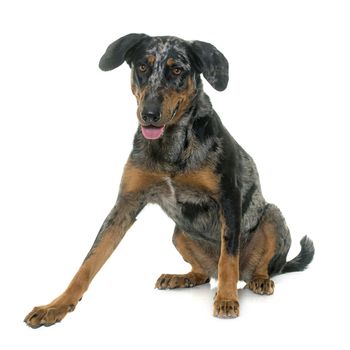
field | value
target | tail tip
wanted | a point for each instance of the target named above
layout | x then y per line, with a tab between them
307	252
307	246
303	259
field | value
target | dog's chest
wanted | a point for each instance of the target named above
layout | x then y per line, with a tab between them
191	205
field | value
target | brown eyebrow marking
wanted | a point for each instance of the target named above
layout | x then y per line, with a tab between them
151	59
170	62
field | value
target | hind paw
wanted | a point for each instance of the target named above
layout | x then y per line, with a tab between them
261	286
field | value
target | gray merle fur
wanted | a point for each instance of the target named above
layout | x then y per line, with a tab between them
201	129
184	160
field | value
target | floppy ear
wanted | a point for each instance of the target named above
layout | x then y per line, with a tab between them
212	63
119	50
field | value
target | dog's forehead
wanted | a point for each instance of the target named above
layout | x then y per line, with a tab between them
165	46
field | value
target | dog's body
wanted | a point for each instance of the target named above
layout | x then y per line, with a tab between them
186	161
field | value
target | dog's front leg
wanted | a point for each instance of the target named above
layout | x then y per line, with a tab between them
226	299
112	231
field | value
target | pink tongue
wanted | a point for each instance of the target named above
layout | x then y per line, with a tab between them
151	132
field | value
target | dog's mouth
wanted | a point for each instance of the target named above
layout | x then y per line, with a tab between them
151	132
154	132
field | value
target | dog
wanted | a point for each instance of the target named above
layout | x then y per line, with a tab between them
185	160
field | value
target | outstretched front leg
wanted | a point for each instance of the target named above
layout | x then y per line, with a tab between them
129	203
226	300
116	224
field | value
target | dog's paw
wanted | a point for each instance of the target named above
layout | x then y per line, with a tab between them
226	308
181	281
47	315
261	286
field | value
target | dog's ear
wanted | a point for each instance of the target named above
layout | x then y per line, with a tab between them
212	63
120	51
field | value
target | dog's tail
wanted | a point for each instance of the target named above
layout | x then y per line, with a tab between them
278	264
303	259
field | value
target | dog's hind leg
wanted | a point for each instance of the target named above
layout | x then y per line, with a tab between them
202	258
269	243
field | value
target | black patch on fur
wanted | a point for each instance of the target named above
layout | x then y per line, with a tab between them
231	201
191	210
231	208
203	128
248	198
214	147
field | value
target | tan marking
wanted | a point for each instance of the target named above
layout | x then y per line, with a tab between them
261	270
202	262
228	276
261	286
101	251
183	99
137	179
151	59
170	61
226	299
112	232
187	280
93	264
256	256
203	179
171	99
138	93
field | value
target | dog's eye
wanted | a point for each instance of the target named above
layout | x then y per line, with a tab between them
176	71
142	68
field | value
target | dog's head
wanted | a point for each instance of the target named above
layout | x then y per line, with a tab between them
165	75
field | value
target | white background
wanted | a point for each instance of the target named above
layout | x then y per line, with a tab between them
66	130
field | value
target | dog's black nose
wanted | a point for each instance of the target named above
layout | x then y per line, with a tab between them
151	109
150	116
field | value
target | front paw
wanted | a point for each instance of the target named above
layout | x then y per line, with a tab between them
47	315
226	308
188	280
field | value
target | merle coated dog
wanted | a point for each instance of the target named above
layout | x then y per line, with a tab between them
185	160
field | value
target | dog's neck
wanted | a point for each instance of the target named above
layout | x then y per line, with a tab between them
169	152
